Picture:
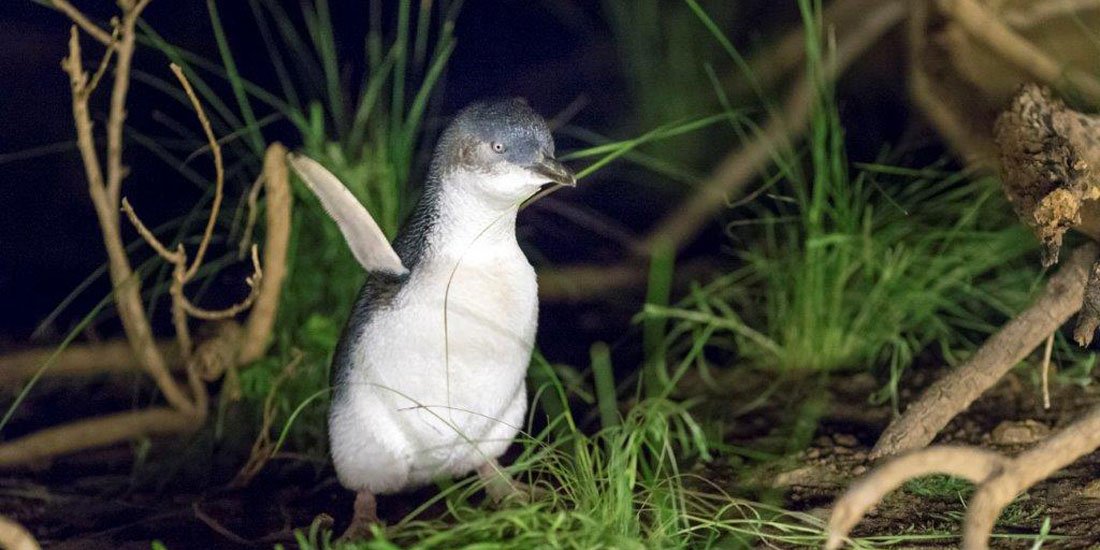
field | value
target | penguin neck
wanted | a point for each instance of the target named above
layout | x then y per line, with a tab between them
464	219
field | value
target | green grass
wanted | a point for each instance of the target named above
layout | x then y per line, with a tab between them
834	270
940	486
365	132
626	486
848	272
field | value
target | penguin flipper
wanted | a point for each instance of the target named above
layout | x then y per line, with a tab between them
364	237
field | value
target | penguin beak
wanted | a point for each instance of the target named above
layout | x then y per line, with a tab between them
553	170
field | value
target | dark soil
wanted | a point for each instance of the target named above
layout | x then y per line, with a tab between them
103	500
1007	419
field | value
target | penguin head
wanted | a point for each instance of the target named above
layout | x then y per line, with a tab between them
504	146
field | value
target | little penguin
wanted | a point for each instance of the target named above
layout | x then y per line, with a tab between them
428	376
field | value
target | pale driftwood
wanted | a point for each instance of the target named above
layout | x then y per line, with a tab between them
37	448
975	465
998	479
1027	469
114	357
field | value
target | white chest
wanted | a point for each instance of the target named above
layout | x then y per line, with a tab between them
458	335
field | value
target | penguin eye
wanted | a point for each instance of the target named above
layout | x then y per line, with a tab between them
498	147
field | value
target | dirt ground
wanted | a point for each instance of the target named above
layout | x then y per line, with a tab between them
1007	419
103	500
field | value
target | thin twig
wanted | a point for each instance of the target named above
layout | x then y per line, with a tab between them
105	62
219	172
263	448
116	116
1046	370
149	237
214	315
218	528
250	222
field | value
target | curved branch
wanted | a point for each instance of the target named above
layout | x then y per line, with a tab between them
1034	465
987	28
95	432
971	463
219	172
79	360
262	317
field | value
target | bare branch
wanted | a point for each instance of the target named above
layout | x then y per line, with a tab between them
78	360
262	317
263	448
219	172
1034	465
93	30
216	315
989	29
974	464
105	62
95	432
116	116
149	237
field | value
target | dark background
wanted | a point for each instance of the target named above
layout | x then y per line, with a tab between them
554	53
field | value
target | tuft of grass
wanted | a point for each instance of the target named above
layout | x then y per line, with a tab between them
842	271
624	487
940	486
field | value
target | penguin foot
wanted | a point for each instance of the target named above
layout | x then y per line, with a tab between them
502	488
366	516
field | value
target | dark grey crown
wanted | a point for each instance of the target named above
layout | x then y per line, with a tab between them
508	124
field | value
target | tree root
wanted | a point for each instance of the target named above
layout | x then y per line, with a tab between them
998	479
80	360
953	393
973	464
1027	469
37	447
230	346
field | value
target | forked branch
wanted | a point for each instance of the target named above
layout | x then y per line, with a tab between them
998	479
213	357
